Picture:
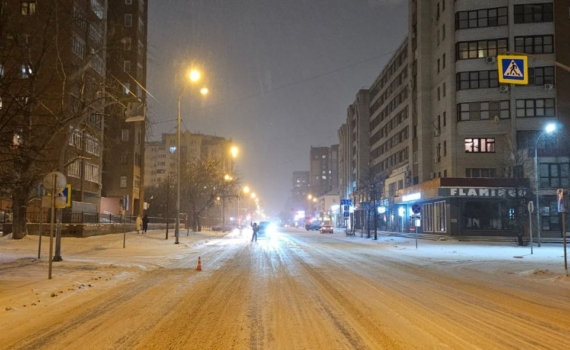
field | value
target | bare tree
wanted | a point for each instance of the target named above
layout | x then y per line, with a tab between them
52	80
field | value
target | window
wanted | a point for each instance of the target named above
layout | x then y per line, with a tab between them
480	172
125	135
542	107
97	8
137	182
444	119
1	70
96	34
438	65
481	18
78	46
125	158
92	172
444	148
444	88
75	138
553	175
98	64
439	217
526	139
483	110
477	80
128	20
443	62
480	49
534	44
123	182
92	145
480	145
127	87
25	71
443	32
541	75
127	66
141	25
427	213
74	169
438	93
534	13
27	8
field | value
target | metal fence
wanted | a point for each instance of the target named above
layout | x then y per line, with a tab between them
68	217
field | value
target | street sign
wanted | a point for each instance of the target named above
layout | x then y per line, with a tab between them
513	69
346	214
346	202
416	208
59	179
67	194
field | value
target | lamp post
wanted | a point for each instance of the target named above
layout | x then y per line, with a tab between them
194	76
551	127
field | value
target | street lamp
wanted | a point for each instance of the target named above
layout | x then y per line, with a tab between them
550	128
194	76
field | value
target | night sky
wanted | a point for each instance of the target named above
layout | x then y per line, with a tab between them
281	74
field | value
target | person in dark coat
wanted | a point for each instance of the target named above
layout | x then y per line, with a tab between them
255	229
145	223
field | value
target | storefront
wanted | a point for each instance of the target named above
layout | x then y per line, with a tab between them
468	207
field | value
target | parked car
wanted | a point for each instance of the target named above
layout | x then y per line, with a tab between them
327	228
313	226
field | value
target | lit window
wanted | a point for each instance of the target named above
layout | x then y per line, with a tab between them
27	8
480	145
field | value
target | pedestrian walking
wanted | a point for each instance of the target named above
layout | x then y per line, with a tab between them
145	221
255	229
138	224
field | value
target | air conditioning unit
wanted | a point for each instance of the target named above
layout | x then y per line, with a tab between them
548	86
504	88
490	60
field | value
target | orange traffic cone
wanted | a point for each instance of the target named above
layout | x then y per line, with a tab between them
199	267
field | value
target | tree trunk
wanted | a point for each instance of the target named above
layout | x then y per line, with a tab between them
19	206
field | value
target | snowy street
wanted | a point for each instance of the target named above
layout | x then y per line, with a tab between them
296	290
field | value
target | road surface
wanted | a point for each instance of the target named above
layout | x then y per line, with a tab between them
297	290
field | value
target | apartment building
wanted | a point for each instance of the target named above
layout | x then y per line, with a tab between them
124	176
46	86
446	137
161	158
473	138
323	171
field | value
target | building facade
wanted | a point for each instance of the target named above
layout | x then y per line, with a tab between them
123	177
444	132
323	171
161	158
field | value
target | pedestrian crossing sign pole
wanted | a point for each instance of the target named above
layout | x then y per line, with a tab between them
513	69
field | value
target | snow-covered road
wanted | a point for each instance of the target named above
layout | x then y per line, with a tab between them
298	290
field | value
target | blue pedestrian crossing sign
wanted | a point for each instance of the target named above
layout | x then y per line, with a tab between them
513	69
